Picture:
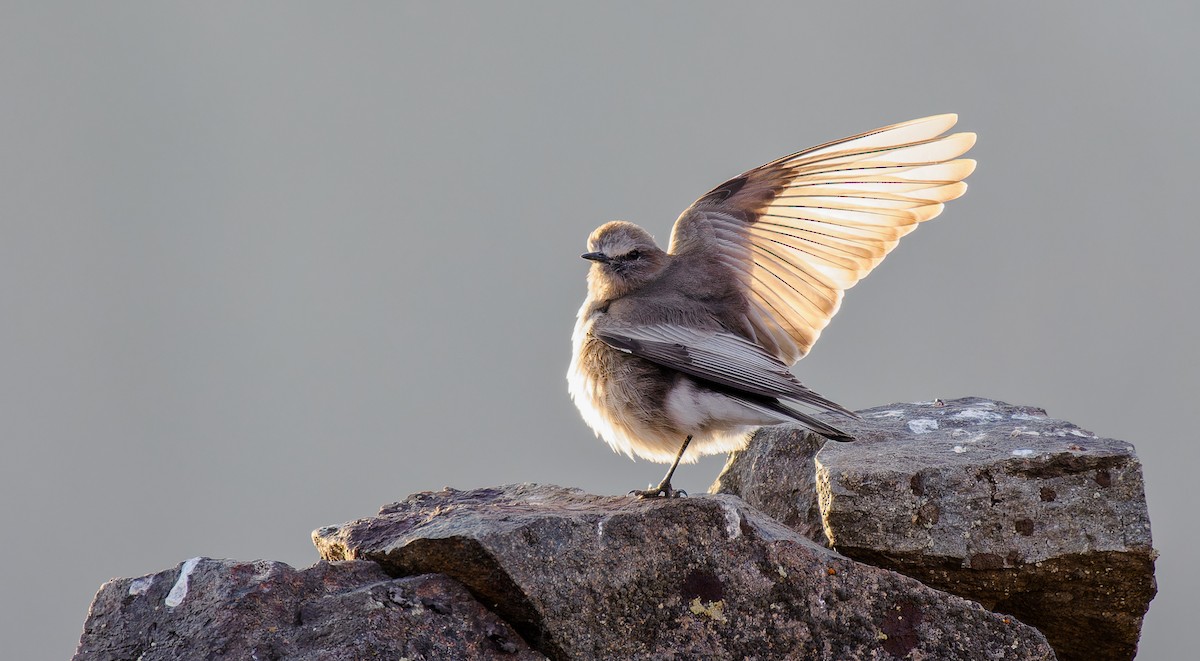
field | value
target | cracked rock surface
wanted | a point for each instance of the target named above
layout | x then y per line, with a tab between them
591	577
1026	514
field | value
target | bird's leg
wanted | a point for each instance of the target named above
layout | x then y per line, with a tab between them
664	488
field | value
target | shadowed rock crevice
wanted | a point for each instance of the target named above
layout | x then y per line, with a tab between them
478	569
458	557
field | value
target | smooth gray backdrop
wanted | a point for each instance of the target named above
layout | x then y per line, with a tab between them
266	266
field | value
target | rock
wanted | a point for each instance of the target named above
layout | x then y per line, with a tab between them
222	609
589	577
1027	515
777	473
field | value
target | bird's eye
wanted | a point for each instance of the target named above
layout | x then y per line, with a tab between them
633	254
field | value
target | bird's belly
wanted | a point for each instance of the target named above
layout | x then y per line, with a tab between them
621	399
642	409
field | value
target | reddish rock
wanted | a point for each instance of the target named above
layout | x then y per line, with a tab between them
222	609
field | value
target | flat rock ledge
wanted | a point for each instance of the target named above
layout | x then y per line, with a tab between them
1025	514
581	576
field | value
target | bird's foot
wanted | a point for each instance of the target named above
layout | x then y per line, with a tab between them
664	490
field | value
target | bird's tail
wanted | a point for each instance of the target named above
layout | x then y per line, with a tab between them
823	428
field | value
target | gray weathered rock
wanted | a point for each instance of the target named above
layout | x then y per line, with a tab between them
777	473
590	577
1025	514
222	609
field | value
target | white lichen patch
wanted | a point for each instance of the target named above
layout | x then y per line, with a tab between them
179	591
958	449
1024	452
977	415
140	585
891	413
1026	416
733	520
262	571
922	425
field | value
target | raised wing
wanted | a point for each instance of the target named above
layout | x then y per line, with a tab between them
801	230
716	357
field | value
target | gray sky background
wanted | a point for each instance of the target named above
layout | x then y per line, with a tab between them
265	267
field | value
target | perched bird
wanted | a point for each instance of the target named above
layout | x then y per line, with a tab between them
683	353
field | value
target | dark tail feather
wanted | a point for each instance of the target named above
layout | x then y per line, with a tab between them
823	428
826	430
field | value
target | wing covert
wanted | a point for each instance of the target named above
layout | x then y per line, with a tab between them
717	357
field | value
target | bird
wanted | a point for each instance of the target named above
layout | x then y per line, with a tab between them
684	352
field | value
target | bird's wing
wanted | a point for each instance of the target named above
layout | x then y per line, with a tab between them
717	357
801	230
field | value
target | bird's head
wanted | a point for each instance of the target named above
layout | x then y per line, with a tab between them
624	258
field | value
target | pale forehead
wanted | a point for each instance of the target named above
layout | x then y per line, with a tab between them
617	237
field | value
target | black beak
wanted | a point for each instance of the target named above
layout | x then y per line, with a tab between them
595	257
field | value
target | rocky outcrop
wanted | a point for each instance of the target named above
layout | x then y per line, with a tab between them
968	529
1025	514
589	577
221	609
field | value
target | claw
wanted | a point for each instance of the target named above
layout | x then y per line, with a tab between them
664	488
661	491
